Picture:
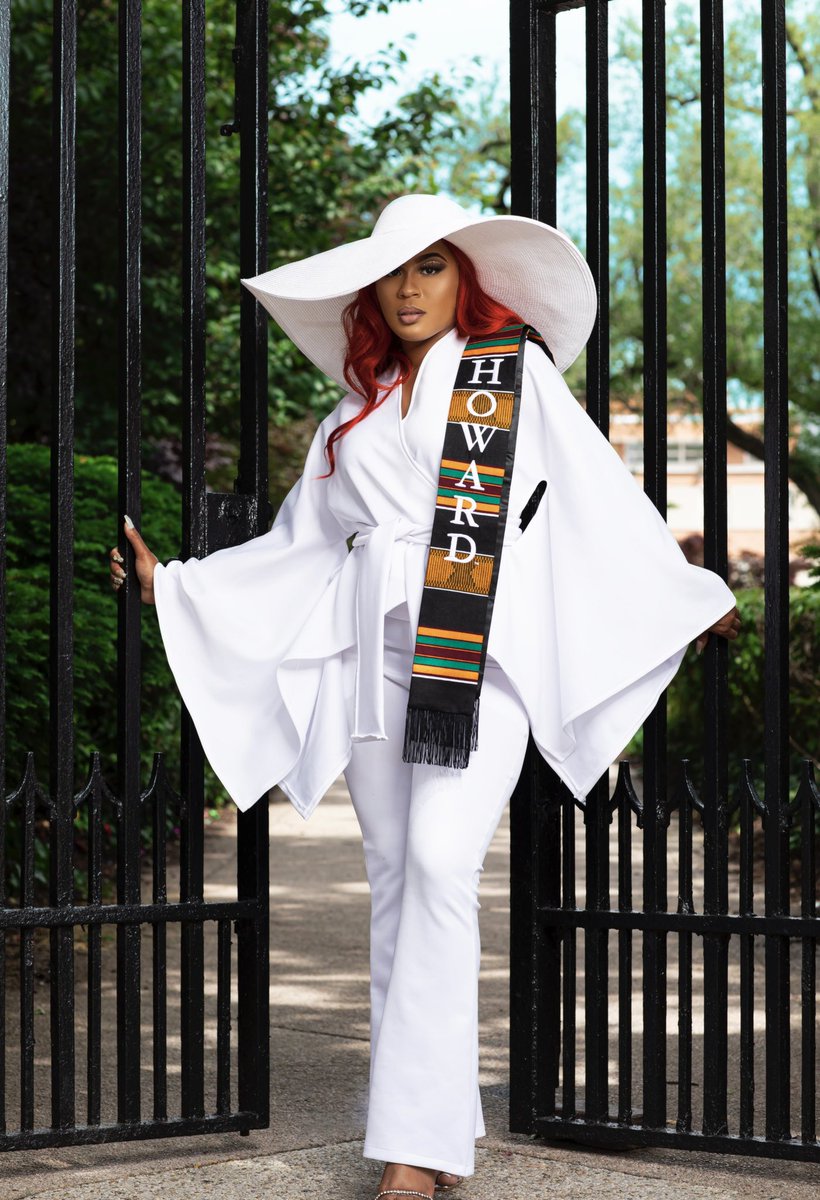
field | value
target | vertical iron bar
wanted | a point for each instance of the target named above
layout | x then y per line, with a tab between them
776	586
808	974
5	47
596	956
193	276
597	814
624	960
159	952
535	1002
533	123
27	960
654	423
253	860
194	533
524	934
546	813
746	906
654	274
597	136
532	1086
61	642
570	946
686	904
253	963
546	144
94	969
223	1017
252	41
716	848
129	616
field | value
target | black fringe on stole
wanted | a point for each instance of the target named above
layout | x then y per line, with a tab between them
442	739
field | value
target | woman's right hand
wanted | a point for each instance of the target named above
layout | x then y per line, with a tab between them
144	563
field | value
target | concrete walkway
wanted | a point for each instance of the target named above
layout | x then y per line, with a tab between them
319	1065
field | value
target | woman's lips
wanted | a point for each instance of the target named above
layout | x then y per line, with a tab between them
409	316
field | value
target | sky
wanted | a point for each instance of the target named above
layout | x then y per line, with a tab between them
437	34
449	32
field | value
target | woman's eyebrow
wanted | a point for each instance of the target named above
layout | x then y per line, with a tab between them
430	254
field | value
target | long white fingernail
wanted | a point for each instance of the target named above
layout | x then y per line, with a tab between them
128	521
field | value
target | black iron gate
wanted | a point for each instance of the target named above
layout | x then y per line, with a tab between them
220	1080
559	1089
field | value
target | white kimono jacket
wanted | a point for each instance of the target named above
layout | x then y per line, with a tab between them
594	610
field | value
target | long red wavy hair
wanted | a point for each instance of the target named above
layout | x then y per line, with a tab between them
373	349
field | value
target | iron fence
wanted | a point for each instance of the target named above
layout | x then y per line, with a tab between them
233	1063
593	1076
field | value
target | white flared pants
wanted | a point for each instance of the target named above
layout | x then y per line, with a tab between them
425	832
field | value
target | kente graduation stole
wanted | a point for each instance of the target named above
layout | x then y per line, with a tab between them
465	550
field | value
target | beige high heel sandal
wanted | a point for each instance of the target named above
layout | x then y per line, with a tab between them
402	1192
439	1187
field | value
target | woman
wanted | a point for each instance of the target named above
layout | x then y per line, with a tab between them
502	550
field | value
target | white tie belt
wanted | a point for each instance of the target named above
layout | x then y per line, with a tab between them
375	547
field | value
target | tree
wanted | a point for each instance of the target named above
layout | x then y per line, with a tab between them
484	139
328	175
744	230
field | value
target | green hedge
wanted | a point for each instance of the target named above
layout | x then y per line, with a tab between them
746	690
97	528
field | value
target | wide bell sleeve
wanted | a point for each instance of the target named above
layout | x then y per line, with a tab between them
611	602
227	621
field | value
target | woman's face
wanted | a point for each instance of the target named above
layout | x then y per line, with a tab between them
418	299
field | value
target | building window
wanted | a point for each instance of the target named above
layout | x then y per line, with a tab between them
685	452
633	455
678	454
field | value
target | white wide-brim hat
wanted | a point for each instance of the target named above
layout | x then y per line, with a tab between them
531	267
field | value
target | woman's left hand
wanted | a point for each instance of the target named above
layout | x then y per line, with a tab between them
728	626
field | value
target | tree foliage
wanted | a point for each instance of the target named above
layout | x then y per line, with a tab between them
27	665
746	730
328	177
29	577
476	165
744	225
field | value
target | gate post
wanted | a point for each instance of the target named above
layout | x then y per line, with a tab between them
535	952
252	965
251	67
535	813
776	583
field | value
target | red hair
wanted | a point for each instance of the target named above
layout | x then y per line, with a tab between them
372	347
